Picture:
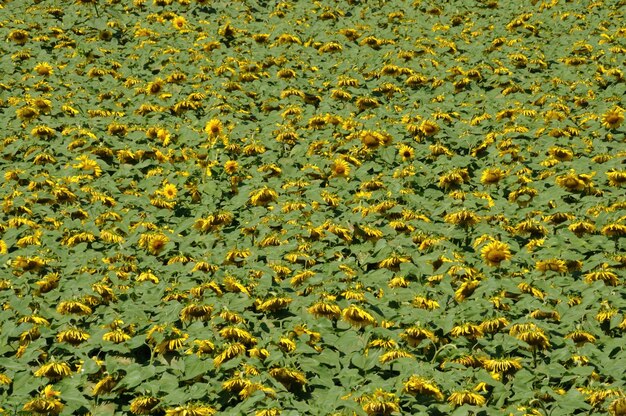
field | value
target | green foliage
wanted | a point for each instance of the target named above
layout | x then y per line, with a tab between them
321	208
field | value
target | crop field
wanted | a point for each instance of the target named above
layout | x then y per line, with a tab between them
329	208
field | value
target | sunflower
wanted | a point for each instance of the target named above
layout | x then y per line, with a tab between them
580	337
605	274
214	128
179	22
613	118
459	398
73	307
19	36
618	407
263	196
191	410
406	152
357	317
582	227
428	128
617	177
614	230
54	370
143	405
73	336
371	139
288	376
231	167
340	168
43	69
268	412
169	191
116	336
415	335
105	385
380	403
154	243
464	218
468	330
502	365
47	403
154	87
492	176
324	309
419	385
495	253
555	265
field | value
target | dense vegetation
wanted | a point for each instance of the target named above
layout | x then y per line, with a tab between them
312	207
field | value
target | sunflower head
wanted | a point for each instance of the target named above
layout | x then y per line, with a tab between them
214	128
495	253
613	118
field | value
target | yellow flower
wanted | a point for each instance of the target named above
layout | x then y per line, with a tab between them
231	351
231	166
393	355
617	177
425	303
324	309
191	410
618	407
580	337
491	176
406	152
19	36
415	335
214	128
608	276
268	412
143	405
468	330
43	69
169	191
493	325
73	307
263	196
153	242
555	265
380	403
47	403
495	252
357	317
613	118
194	311
54	370
428	128
273	304
288	376
85	163
420	385
459	398
104	386
179	22
73	336
340	168
4	379
575	182
502	365
464	218
116	336
614	230
371	139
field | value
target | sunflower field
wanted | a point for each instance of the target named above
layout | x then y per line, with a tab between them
345	207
